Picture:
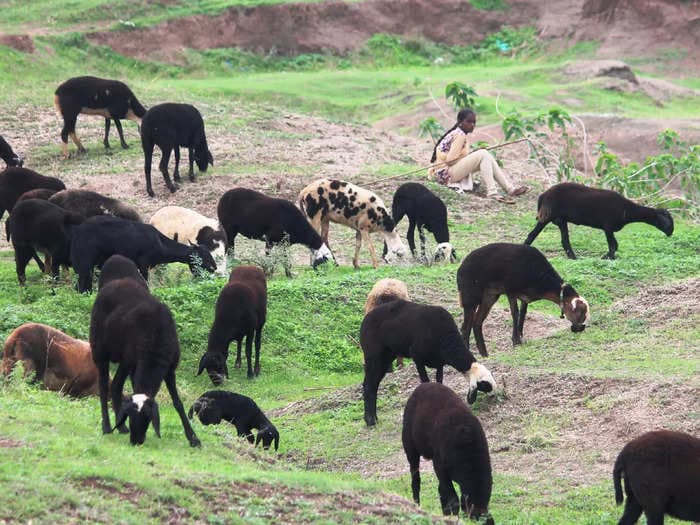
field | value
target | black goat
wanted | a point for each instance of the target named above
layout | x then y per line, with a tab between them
520	272
170	126
661	470
38	225
90	203
426	334
258	216
132	328
100	237
16	181
603	209
423	209
438	425
9	156
241	411
241	310
110	99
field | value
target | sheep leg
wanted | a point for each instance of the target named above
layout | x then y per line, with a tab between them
521	319
237	364
358	244
103	379
163	166
535	232
249	354
612	245
410	236
23	254
468	323
513	302
172	389
258	335
117	389
148	158
633	510
190	158
105	141
421	236
375	370
118	125
370	245
438	374
654	517
422	373
176	173
413	458
448	497
566	244
39	262
484	308
69	121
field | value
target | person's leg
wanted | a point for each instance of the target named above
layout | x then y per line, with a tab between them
461	172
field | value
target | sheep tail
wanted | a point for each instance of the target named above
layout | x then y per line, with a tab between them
57	103
617	475
191	412
543	211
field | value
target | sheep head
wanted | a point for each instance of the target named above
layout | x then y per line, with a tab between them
445	251
267	435
215	241
200	259
574	308
203	158
141	411
320	256
208	411
395	248
664	221
480	379
215	365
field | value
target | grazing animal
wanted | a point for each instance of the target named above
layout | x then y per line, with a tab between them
38	225
9	156
438	425
16	181
132	328
110	99
90	203
39	193
184	225
273	220
61	363
100	237
170	126
423	209
603	209
241	411
241	310
520	272
428	335
383	291
661	470
325	201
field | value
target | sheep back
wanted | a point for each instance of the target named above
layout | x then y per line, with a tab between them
15	181
90	203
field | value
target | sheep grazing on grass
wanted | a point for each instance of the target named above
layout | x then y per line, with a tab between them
426	210
90	203
132	328
273	220
110	99
603	209
170	126
59	362
325	201
439	426
241	310
9	156
383	291
38	225
184	225
428	335
241	411
39	193
16	181
661	470
520	272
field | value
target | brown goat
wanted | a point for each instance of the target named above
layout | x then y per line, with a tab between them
62	363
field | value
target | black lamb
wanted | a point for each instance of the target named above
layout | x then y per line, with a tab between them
603	209
426	334
9	156
16	181
241	411
170	126
90	203
438	425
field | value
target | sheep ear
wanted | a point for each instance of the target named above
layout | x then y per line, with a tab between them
471	395
453	256
258	438
175	236
124	413
277	441
151	410
191	411
202	364
210	158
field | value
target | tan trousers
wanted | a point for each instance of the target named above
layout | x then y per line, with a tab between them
480	161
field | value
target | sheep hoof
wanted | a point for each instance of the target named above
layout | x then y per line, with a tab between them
371	420
195	442
237	364
172	188
125	145
123	429
151	193
191	175
609	256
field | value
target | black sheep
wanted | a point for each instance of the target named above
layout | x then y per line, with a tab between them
9	156
16	181
603	209
110	99
241	411
170	126
39	193
90	203
438	425
426	334
241	310
520	272
661	470
258	216
132	328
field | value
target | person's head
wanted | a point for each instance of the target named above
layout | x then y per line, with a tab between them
466	120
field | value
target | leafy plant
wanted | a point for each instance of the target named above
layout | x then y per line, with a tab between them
462	95
489	5
430	127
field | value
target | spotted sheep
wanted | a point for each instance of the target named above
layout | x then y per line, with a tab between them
327	200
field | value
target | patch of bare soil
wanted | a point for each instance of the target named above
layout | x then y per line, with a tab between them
22	43
662	304
6	442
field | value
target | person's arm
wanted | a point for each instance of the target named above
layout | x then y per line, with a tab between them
456	148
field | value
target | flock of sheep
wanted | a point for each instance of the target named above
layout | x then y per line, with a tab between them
130	327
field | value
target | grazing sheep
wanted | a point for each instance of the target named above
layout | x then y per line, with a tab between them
10	157
383	291
61	363
183	225
96	239
241	411
423	209
326	200
16	181
170	126
132	328
38	225
520	272
273	220
661	470
90	203
603	209
438	425
241	310
39	193
428	335
110	99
